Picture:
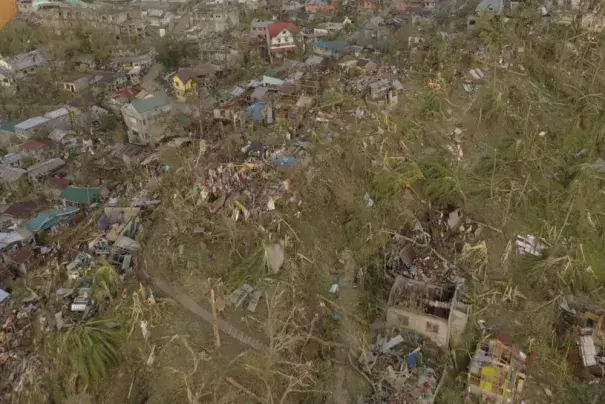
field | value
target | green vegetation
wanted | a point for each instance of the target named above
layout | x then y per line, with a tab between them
171	52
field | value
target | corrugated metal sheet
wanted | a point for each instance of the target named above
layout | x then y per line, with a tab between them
588	350
8	11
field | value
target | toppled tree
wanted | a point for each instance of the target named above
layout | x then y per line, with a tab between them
92	348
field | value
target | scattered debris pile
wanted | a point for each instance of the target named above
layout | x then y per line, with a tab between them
245	189
22	367
401	370
403	257
411	253
584	326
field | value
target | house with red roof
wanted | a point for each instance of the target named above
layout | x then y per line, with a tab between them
20	260
38	148
281	37
21	210
120	98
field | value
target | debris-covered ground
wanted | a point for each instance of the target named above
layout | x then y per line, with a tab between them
408	209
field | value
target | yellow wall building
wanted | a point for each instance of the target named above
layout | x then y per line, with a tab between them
8	11
184	82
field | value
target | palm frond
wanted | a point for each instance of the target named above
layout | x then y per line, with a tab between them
93	347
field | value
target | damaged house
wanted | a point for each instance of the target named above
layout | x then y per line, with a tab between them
50	220
43	169
214	18
385	90
119	222
497	372
430	310
19	66
582	326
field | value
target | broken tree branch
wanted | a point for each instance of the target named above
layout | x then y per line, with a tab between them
241	388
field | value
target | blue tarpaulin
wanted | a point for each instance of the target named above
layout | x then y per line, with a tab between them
412	360
285	161
255	111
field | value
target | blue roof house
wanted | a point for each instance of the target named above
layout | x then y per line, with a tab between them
331	49
47	220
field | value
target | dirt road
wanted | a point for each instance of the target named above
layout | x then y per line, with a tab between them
189	304
345	377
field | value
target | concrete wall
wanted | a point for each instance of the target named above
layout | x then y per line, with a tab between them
457	321
398	318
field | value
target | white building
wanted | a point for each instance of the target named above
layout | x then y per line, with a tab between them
281	37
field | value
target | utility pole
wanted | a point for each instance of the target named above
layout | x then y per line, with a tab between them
215	326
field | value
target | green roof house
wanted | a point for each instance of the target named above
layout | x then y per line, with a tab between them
146	118
80	195
7	130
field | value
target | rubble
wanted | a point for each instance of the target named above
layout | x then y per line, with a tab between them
247	188
403	369
76	267
22	368
241	294
497	372
273	114
411	253
584	326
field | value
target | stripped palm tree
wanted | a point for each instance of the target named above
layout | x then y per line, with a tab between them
93	347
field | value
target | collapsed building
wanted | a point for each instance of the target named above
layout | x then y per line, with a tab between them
497	372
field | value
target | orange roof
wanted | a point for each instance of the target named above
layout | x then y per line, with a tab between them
276	28
8	11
